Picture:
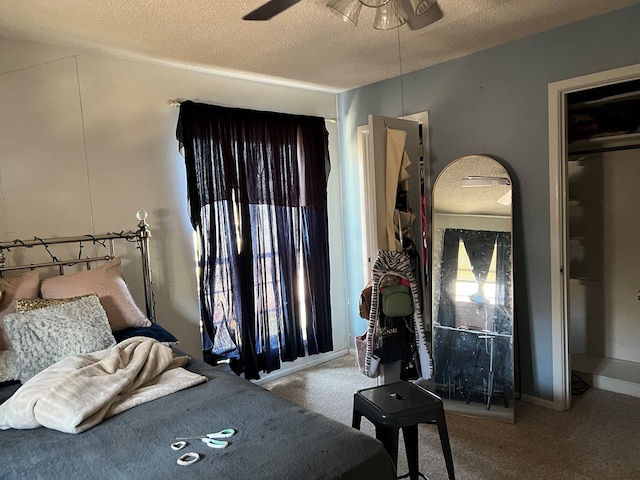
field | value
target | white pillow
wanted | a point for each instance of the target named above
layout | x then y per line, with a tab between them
44	336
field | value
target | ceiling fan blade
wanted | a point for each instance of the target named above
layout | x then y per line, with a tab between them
269	9
416	22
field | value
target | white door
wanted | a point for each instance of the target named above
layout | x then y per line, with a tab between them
377	139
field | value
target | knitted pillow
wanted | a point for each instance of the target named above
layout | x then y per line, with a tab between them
24	286
8	366
44	336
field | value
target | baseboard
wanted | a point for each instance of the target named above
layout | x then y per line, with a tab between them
540	402
301	364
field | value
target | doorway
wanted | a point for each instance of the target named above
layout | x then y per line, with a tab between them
375	194
560	240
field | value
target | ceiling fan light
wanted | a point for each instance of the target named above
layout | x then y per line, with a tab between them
483	181
390	15
421	6
374	3
347	10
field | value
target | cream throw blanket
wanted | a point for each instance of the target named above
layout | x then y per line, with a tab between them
80	391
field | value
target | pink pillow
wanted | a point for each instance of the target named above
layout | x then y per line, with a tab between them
108	283
24	286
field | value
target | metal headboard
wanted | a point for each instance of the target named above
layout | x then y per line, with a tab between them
140	236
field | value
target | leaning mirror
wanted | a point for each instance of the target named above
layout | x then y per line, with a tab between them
472	288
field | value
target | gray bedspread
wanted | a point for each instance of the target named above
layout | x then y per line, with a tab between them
275	439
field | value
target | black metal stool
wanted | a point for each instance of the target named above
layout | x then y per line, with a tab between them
402	405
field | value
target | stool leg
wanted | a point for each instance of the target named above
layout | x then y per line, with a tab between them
475	370
410	435
356	419
444	441
491	374
490	389
389	438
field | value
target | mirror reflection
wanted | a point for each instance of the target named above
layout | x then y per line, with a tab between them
472	288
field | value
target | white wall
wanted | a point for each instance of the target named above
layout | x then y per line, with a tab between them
86	140
604	304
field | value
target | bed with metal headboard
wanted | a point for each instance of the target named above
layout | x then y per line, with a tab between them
100	390
101	243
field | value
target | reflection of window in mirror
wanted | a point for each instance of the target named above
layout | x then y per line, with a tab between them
475	304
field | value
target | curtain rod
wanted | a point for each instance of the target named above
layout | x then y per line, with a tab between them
175	103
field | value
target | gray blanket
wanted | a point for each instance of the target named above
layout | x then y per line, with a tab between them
275	439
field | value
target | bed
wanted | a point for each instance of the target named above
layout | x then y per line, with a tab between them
273	439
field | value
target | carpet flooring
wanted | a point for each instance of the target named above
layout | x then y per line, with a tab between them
597	438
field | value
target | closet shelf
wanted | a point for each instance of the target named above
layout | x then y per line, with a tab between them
608	373
585	242
586	279
584	203
600	102
611	142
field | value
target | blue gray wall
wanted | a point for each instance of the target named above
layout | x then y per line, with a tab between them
493	103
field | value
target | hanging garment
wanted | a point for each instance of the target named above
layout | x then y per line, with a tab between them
403	223
397	161
399	264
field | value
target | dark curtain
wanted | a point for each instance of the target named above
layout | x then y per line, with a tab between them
257	192
445	340
504	318
448	276
455	351
503	321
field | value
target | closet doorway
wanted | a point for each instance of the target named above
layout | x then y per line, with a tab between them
592	153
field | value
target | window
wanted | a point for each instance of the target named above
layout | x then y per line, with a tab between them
475	302
466	288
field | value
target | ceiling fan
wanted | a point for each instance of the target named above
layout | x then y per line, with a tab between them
427	13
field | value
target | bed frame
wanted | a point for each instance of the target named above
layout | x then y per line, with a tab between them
274	439
104	241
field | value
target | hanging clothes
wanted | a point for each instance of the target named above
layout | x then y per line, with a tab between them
399	264
397	162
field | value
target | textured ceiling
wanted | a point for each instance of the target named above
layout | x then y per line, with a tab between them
306	45
450	197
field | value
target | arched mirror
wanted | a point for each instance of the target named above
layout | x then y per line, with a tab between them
472	288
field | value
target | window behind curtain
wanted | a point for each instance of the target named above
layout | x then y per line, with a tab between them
258	202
